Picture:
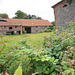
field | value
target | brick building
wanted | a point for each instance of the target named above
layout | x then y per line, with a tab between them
15	26
64	13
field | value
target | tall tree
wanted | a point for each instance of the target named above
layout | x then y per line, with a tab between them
4	16
20	15
52	27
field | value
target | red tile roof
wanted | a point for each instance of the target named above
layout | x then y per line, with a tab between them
30	22
10	24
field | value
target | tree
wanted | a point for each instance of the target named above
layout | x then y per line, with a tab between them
53	23
38	18
52	27
20	15
4	16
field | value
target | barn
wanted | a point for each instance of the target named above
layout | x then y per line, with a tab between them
18	25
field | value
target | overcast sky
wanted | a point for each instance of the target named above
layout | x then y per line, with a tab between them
41	8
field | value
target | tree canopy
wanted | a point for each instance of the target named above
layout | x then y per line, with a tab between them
4	15
21	15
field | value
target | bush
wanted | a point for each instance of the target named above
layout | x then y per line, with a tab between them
58	45
24	32
29	58
57	55
48	30
41	32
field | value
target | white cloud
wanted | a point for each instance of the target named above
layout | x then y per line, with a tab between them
40	8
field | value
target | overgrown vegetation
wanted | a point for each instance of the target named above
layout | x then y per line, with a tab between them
56	57
69	1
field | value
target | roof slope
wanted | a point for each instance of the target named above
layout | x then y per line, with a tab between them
31	22
58	3
10	24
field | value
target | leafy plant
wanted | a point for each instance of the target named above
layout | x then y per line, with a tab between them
69	72
18	71
69	1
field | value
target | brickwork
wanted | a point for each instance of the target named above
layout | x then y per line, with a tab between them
3	29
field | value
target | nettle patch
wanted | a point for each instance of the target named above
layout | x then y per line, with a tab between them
69	1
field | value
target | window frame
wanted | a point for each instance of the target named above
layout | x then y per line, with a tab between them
10	27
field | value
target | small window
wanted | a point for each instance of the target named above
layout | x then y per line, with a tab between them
4	27
10	27
65	5
16	26
36	26
45	26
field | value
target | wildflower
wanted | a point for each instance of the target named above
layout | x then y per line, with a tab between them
66	51
3	43
71	48
0	65
6	73
72	61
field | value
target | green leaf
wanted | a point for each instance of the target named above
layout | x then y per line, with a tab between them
53	73
51	69
65	67
18	71
56	60
66	72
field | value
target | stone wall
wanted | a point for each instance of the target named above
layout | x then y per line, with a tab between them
66	14
3	32
37	29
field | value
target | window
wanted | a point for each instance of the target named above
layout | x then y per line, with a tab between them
10	27
36	26
4	27
16	26
65	5
45	26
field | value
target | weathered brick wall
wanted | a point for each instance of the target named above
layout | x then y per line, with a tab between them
66	14
37	29
3	30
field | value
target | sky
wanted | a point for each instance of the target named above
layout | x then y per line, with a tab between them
41	8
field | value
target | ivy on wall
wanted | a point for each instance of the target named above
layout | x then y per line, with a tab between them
69	1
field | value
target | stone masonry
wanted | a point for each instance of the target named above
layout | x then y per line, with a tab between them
37	29
64	15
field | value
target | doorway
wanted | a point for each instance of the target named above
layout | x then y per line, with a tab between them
28	29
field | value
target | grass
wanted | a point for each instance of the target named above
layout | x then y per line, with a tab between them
35	40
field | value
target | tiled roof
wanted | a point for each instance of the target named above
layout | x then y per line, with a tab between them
10	24
30	22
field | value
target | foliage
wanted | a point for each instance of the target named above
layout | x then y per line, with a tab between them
35	40
69	1
4	16
69	72
31	59
62	47
24	32
18	71
56	56
48	30
21	15
52	27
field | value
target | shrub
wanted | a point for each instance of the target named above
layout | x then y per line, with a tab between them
24	32
48	30
29	58
57	44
